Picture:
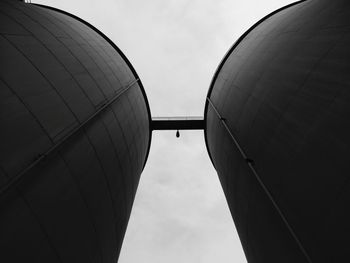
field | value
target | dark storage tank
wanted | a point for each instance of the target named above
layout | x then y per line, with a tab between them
278	133
74	138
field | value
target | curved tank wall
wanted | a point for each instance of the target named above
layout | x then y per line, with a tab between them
74	137
277	131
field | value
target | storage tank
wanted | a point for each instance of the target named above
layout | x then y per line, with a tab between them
277	131
74	137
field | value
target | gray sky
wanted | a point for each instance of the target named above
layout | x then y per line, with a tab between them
180	213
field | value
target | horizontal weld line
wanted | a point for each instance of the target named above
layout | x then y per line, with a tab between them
14	180
267	192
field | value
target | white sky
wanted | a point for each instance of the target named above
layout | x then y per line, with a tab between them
180	213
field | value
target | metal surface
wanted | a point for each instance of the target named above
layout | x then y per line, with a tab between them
75	135
282	92
227	55
177	123
41	157
250	163
110	42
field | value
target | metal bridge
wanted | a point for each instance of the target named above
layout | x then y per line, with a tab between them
178	123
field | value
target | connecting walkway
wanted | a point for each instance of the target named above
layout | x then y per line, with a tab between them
177	123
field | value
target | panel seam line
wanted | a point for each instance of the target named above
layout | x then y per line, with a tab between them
41	157
261	183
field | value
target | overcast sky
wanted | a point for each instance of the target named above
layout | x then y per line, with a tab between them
180	213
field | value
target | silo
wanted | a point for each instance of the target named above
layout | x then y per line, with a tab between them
74	138
277	131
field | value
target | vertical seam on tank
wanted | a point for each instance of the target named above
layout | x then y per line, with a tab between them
41	227
226	56
128	153
98	46
58	144
92	48
69	50
133	142
261	183
100	40
127	147
29	110
127	63
56	58
113	204
36	217
123	221
82	49
78	187
86	71
139	128
31	62
119	163
50	84
303	82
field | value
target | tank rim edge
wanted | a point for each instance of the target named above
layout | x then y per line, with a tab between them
224	59
126	61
